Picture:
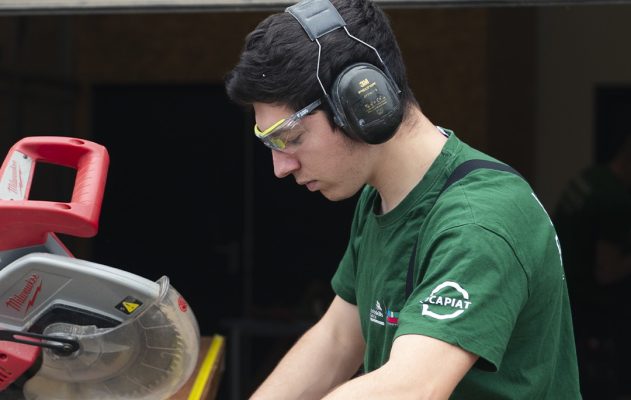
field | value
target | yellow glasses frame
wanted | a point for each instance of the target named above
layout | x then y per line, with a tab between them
273	138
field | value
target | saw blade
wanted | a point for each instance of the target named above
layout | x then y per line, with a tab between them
147	359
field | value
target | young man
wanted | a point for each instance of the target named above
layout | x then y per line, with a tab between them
447	289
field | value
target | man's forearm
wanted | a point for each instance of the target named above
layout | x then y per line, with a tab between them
315	364
411	373
327	355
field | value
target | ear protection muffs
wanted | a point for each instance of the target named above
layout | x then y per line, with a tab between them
367	103
365	100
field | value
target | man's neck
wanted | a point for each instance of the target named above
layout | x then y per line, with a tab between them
406	158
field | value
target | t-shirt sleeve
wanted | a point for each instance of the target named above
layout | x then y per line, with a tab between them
343	281
469	293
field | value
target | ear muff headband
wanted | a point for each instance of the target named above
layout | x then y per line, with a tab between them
319	17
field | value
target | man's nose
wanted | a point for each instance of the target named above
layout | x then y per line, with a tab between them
284	164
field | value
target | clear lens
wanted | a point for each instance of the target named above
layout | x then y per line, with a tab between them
284	135
286	131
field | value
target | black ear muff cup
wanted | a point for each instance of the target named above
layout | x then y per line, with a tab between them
367	103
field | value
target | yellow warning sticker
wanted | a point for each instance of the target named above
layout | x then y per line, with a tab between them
129	305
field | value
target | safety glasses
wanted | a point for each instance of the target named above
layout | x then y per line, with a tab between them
282	133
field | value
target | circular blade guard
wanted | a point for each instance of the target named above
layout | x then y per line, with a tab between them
149	357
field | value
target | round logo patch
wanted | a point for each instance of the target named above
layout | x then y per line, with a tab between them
447	300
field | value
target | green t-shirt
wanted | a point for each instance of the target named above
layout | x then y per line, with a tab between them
488	277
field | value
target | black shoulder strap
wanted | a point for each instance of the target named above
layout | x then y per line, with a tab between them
460	172
463	170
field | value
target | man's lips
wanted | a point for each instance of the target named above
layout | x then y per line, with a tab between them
311	185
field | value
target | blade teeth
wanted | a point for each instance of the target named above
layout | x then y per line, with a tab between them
141	390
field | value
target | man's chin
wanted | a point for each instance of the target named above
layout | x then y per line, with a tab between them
333	195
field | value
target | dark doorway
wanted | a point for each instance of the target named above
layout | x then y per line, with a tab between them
174	196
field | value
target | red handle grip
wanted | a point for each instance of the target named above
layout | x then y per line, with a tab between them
26	222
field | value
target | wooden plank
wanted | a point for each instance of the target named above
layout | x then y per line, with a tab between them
204	382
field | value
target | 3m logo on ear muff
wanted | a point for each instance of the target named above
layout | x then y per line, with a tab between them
372	100
365	85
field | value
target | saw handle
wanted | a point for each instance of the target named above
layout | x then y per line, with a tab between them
27	222
89	159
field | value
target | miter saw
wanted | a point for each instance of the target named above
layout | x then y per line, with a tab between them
77	329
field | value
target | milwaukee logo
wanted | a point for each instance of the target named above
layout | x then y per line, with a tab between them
15	181
17	301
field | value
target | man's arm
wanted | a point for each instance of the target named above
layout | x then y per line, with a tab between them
329	353
420	367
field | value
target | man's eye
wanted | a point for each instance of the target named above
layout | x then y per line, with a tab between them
293	136
294	140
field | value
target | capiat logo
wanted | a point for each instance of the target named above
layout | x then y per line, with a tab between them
447	300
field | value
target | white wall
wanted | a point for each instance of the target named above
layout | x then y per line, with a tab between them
579	48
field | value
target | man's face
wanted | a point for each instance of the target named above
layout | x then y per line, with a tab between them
319	157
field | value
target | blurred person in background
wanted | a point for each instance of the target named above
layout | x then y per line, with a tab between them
593	220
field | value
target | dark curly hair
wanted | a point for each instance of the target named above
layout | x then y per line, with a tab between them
278	61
